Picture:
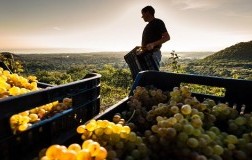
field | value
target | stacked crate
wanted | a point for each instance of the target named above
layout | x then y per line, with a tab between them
85	95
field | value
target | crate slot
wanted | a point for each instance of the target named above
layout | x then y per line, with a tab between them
205	89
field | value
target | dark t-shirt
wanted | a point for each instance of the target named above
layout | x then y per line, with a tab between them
153	32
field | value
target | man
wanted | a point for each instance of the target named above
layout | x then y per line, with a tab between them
154	34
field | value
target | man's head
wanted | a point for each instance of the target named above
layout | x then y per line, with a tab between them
148	13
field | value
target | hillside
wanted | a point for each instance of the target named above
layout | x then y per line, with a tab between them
234	61
239	51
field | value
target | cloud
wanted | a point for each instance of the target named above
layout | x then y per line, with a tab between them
237	9
198	4
57	28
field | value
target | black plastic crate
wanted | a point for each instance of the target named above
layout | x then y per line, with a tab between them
85	96
237	91
140	62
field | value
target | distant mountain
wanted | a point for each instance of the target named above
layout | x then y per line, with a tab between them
239	51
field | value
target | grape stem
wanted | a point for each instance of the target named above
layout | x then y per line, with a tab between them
133	114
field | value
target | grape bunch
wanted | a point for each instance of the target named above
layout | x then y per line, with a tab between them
118	139
89	150
22	121
147	97
12	84
143	99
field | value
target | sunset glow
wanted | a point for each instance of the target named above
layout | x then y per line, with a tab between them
113	25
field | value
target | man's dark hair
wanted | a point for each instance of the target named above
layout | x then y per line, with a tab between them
149	9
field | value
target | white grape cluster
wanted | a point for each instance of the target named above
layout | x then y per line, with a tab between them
141	102
181	127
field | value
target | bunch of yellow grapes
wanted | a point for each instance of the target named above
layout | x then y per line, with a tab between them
98	128
12	84
22	121
118	139
89	150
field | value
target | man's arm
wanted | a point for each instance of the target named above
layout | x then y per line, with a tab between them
165	38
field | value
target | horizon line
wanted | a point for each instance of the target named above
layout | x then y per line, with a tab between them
74	50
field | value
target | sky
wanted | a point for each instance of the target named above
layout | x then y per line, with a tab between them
116	25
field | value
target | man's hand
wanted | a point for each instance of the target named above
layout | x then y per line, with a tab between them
150	46
139	51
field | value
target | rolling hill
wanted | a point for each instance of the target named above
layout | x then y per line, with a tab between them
239	51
